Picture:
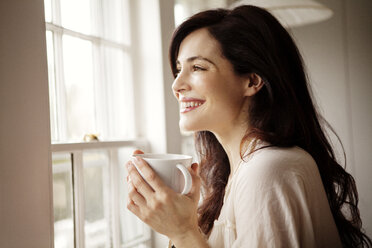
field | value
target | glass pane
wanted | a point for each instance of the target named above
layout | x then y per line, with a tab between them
97	200
119	87
131	227
76	15
79	88
116	21
48	10
63	201
52	86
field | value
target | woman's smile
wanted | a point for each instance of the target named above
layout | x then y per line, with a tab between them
188	104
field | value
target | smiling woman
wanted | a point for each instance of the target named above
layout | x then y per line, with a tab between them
268	172
279	115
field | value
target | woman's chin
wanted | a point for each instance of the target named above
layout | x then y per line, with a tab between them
188	126
186	129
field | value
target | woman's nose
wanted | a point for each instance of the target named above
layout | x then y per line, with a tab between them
180	85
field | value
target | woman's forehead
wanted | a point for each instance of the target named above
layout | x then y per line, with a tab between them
199	43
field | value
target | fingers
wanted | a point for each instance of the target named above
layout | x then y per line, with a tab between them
138	182
195	189
134	197
149	174
132	206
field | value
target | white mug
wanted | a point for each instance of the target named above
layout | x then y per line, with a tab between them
171	168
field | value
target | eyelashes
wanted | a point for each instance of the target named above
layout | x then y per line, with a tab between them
194	68
198	68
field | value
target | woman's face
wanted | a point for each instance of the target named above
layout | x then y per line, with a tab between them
210	94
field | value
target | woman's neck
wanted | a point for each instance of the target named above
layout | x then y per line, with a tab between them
230	141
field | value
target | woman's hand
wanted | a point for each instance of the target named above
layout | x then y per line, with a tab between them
166	211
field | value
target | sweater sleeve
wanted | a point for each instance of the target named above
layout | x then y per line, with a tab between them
270	205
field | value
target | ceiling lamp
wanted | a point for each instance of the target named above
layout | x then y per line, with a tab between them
291	13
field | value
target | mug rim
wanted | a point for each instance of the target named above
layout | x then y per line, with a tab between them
179	156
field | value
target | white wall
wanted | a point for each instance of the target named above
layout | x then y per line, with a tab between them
26	217
157	118
156	106
359	60
338	55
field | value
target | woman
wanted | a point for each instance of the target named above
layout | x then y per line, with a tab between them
269	174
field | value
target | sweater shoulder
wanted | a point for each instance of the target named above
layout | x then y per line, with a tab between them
272	163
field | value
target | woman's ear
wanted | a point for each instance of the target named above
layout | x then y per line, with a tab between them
253	84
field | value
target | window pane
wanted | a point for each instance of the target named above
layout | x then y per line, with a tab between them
52	85
131	227
76	15
63	201
97	200
79	88
119	87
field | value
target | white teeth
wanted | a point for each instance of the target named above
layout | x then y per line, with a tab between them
190	104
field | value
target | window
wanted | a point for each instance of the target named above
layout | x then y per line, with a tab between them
89	197
89	56
90	86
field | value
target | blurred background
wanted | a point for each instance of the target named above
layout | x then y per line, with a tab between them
84	83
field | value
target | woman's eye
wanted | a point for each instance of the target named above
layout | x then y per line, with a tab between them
197	68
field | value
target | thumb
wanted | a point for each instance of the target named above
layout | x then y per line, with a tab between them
195	168
195	189
137	152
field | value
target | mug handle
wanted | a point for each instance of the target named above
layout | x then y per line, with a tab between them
188	178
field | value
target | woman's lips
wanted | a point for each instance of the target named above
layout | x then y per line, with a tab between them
189	104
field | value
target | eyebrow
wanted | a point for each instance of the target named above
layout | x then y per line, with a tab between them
196	58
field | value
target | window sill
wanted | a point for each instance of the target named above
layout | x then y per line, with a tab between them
75	146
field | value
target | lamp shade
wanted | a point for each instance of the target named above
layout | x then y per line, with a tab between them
291	13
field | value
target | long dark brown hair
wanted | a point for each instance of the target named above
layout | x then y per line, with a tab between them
282	113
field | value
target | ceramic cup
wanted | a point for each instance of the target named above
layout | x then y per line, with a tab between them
171	168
